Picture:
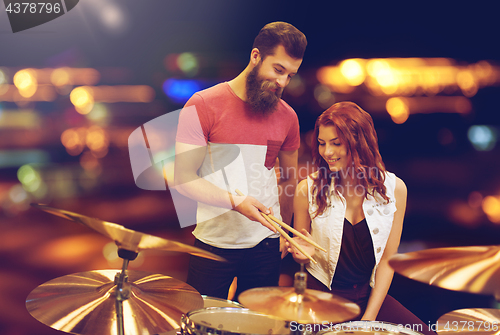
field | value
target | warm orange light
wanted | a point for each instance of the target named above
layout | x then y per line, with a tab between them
123	93
26	83
89	162
398	109
60	77
353	71
467	83
97	141
72	139
332	77
491	206
82	98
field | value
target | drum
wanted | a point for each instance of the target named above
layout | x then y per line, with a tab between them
368	327
230	321
217	302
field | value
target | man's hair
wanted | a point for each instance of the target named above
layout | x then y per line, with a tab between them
280	33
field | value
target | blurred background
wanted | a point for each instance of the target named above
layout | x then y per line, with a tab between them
74	89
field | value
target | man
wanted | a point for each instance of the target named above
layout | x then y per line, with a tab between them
231	135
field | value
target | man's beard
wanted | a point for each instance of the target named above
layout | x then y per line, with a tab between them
259	95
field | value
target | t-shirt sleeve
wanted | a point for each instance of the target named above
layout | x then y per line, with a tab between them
292	140
193	124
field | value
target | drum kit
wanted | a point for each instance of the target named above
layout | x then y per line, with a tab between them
126	302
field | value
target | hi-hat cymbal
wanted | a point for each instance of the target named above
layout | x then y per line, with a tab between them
469	269
471	321
84	303
126	238
311	307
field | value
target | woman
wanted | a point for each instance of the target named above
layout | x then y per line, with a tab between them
353	208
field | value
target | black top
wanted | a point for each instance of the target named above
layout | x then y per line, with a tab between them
356	259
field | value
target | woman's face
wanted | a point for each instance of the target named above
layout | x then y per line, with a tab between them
331	149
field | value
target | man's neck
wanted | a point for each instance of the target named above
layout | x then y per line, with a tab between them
239	85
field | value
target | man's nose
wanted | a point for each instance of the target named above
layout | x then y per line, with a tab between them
282	81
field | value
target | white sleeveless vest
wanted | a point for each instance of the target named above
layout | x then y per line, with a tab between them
327	228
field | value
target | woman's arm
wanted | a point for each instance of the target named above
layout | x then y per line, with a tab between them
384	274
301	222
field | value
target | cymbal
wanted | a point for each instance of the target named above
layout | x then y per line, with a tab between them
311	307
473	269
470	321
84	303
126	238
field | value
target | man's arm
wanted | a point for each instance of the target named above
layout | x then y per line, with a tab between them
188	160
287	183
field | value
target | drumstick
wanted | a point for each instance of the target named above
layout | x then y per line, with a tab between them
283	233
296	232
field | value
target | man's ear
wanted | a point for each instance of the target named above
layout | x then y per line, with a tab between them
255	56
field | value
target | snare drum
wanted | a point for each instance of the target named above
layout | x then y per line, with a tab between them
368	327
217	302
230	321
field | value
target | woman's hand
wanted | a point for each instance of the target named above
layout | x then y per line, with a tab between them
297	255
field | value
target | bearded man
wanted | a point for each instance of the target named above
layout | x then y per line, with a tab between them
229	138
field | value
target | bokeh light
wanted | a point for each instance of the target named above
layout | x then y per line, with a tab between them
82	98
398	109
26	83
180	90
491	207
188	63
483	138
353	71
73	140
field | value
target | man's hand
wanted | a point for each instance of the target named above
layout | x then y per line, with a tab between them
252	208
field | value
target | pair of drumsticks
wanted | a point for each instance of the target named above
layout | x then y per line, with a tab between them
277	223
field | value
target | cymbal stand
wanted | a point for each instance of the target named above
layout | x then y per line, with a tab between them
300	285
122	291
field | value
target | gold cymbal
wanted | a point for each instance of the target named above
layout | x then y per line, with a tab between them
311	307
470	321
469	269
126	238
84	303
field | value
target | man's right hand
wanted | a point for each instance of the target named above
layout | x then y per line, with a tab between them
252	209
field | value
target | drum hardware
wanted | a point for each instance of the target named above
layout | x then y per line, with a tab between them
91	303
298	304
107	301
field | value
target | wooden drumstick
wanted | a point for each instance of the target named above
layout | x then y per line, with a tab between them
283	233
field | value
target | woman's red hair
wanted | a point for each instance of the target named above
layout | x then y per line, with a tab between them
355	130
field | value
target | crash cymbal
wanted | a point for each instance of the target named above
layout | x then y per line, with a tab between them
470	321
311	307
84	303
126	238
468	269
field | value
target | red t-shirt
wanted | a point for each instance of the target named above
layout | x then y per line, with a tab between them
245	146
